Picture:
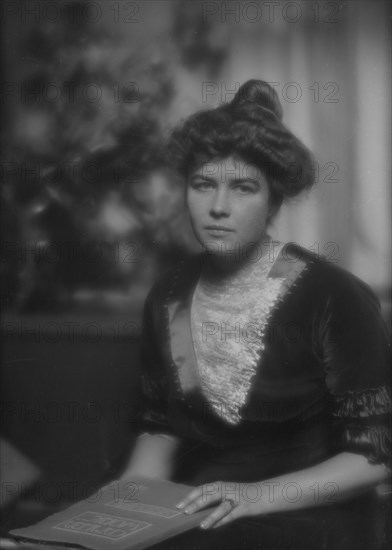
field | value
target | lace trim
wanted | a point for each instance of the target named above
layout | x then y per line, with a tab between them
228	324
357	404
373	441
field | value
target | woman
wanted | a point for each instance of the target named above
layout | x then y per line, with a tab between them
265	368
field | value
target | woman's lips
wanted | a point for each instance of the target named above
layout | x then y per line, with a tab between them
217	230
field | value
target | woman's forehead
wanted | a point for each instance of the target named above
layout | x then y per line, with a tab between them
228	168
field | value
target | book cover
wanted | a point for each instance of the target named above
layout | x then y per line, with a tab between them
122	515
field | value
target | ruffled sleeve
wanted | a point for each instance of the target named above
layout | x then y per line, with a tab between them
153	387
355	353
365	416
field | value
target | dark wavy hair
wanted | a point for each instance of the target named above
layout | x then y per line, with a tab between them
250	126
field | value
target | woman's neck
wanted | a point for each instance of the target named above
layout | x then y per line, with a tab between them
226	264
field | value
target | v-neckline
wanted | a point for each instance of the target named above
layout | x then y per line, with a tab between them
179	304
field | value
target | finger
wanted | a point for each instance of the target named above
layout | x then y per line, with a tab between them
189	498
202	495
224	509
202	501
231	516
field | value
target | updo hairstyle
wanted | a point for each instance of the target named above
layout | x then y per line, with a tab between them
250	126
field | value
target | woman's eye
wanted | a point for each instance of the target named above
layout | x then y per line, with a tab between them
244	189
202	185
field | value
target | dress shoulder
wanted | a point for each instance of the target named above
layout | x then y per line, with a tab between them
355	350
329	281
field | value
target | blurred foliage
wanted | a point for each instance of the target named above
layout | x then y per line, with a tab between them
83	171
201	44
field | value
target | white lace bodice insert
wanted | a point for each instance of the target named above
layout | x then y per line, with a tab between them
228	320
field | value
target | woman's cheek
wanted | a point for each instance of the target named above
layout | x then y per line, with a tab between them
255	219
191	205
195	202
196	218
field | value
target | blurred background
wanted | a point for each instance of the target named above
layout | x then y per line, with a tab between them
92	215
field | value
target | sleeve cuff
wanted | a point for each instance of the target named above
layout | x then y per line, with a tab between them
372	441
364	403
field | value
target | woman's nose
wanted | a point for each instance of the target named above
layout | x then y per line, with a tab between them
220	205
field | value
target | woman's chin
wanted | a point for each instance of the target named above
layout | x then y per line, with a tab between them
220	244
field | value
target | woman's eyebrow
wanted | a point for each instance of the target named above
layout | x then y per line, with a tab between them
246	180
234	181
202	177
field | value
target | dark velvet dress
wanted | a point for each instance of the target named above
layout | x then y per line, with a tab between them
321	386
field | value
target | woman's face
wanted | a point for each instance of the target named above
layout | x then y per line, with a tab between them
229	205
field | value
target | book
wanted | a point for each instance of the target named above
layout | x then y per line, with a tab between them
122	515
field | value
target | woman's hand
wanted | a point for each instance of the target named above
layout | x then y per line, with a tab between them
347	474
235	500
